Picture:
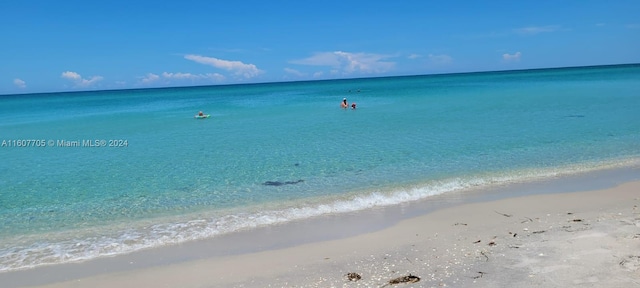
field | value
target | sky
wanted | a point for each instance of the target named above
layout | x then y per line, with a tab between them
69	45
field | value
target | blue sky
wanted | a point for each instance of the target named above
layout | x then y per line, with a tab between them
51	46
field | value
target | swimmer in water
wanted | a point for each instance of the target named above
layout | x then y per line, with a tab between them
344	103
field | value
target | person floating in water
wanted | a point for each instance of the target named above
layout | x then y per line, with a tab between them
201	115
344	103
353	105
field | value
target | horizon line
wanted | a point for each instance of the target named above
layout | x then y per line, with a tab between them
321	80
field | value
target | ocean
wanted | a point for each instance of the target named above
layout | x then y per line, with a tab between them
85	175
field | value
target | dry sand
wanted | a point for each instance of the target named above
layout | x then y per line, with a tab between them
583	239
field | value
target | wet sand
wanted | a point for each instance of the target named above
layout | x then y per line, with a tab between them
578	239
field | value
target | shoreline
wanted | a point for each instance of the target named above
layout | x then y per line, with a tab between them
352	230
552	240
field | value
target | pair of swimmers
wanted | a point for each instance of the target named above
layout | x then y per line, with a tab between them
345	105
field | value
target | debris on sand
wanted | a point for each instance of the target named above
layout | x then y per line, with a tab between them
352	276
403	279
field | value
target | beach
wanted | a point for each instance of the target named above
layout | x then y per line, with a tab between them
355	144
282	188
112	173
574	239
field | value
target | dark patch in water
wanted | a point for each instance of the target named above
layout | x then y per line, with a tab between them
279	183
575	116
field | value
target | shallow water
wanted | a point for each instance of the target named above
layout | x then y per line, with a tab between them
273	153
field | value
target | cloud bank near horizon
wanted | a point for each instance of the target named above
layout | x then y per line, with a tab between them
237	68
78	81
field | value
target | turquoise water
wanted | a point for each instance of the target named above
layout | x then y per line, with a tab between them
273	153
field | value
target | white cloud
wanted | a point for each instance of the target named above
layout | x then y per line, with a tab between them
320	59
179	75
71	75
511	57
366	63
90	82
79	81
20	83
150	78
294	72
193	77
414	56
533	30
167	77
236	67
441	59
348	63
